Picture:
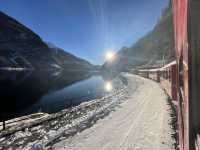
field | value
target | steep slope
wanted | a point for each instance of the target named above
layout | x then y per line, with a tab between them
21	47
68	60
157	45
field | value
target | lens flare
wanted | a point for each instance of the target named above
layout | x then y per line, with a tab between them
108	86
110	55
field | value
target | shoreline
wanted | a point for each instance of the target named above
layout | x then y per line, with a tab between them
131	110
142	121
49	127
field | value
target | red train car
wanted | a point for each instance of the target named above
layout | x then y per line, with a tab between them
168	80
180	19
181	79
186	14
166	75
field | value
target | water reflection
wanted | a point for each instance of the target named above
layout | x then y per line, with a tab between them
19	90
108	86
70	95
23	93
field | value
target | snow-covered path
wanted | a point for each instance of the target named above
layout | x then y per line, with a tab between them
140	123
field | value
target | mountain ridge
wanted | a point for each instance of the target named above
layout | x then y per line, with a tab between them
21	47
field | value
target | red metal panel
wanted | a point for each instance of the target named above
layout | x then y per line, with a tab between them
180	11
180	18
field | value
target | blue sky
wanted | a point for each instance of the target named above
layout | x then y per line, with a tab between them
86	28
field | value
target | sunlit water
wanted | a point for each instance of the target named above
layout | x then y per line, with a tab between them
49	93
72	95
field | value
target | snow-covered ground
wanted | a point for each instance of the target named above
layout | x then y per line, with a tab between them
134	117
140	123
46	129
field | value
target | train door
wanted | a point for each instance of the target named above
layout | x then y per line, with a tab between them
180	102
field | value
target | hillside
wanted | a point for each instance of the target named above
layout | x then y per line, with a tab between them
67	60
21	47
150	50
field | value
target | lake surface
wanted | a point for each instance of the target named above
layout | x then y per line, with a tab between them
26	93
71	95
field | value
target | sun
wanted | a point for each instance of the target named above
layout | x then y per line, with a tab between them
110	55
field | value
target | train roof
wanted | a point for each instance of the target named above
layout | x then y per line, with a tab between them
159	69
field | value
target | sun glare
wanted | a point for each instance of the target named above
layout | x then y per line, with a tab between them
110	55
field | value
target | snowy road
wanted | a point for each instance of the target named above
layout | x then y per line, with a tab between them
140	123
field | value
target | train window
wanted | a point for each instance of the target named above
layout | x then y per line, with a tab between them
180	78
181	72
167	73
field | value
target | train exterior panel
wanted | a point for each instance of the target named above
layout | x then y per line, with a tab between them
180	79
166	76
194	64
187	43
180	20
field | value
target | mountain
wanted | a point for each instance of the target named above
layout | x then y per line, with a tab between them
21	47
67	60
150	50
